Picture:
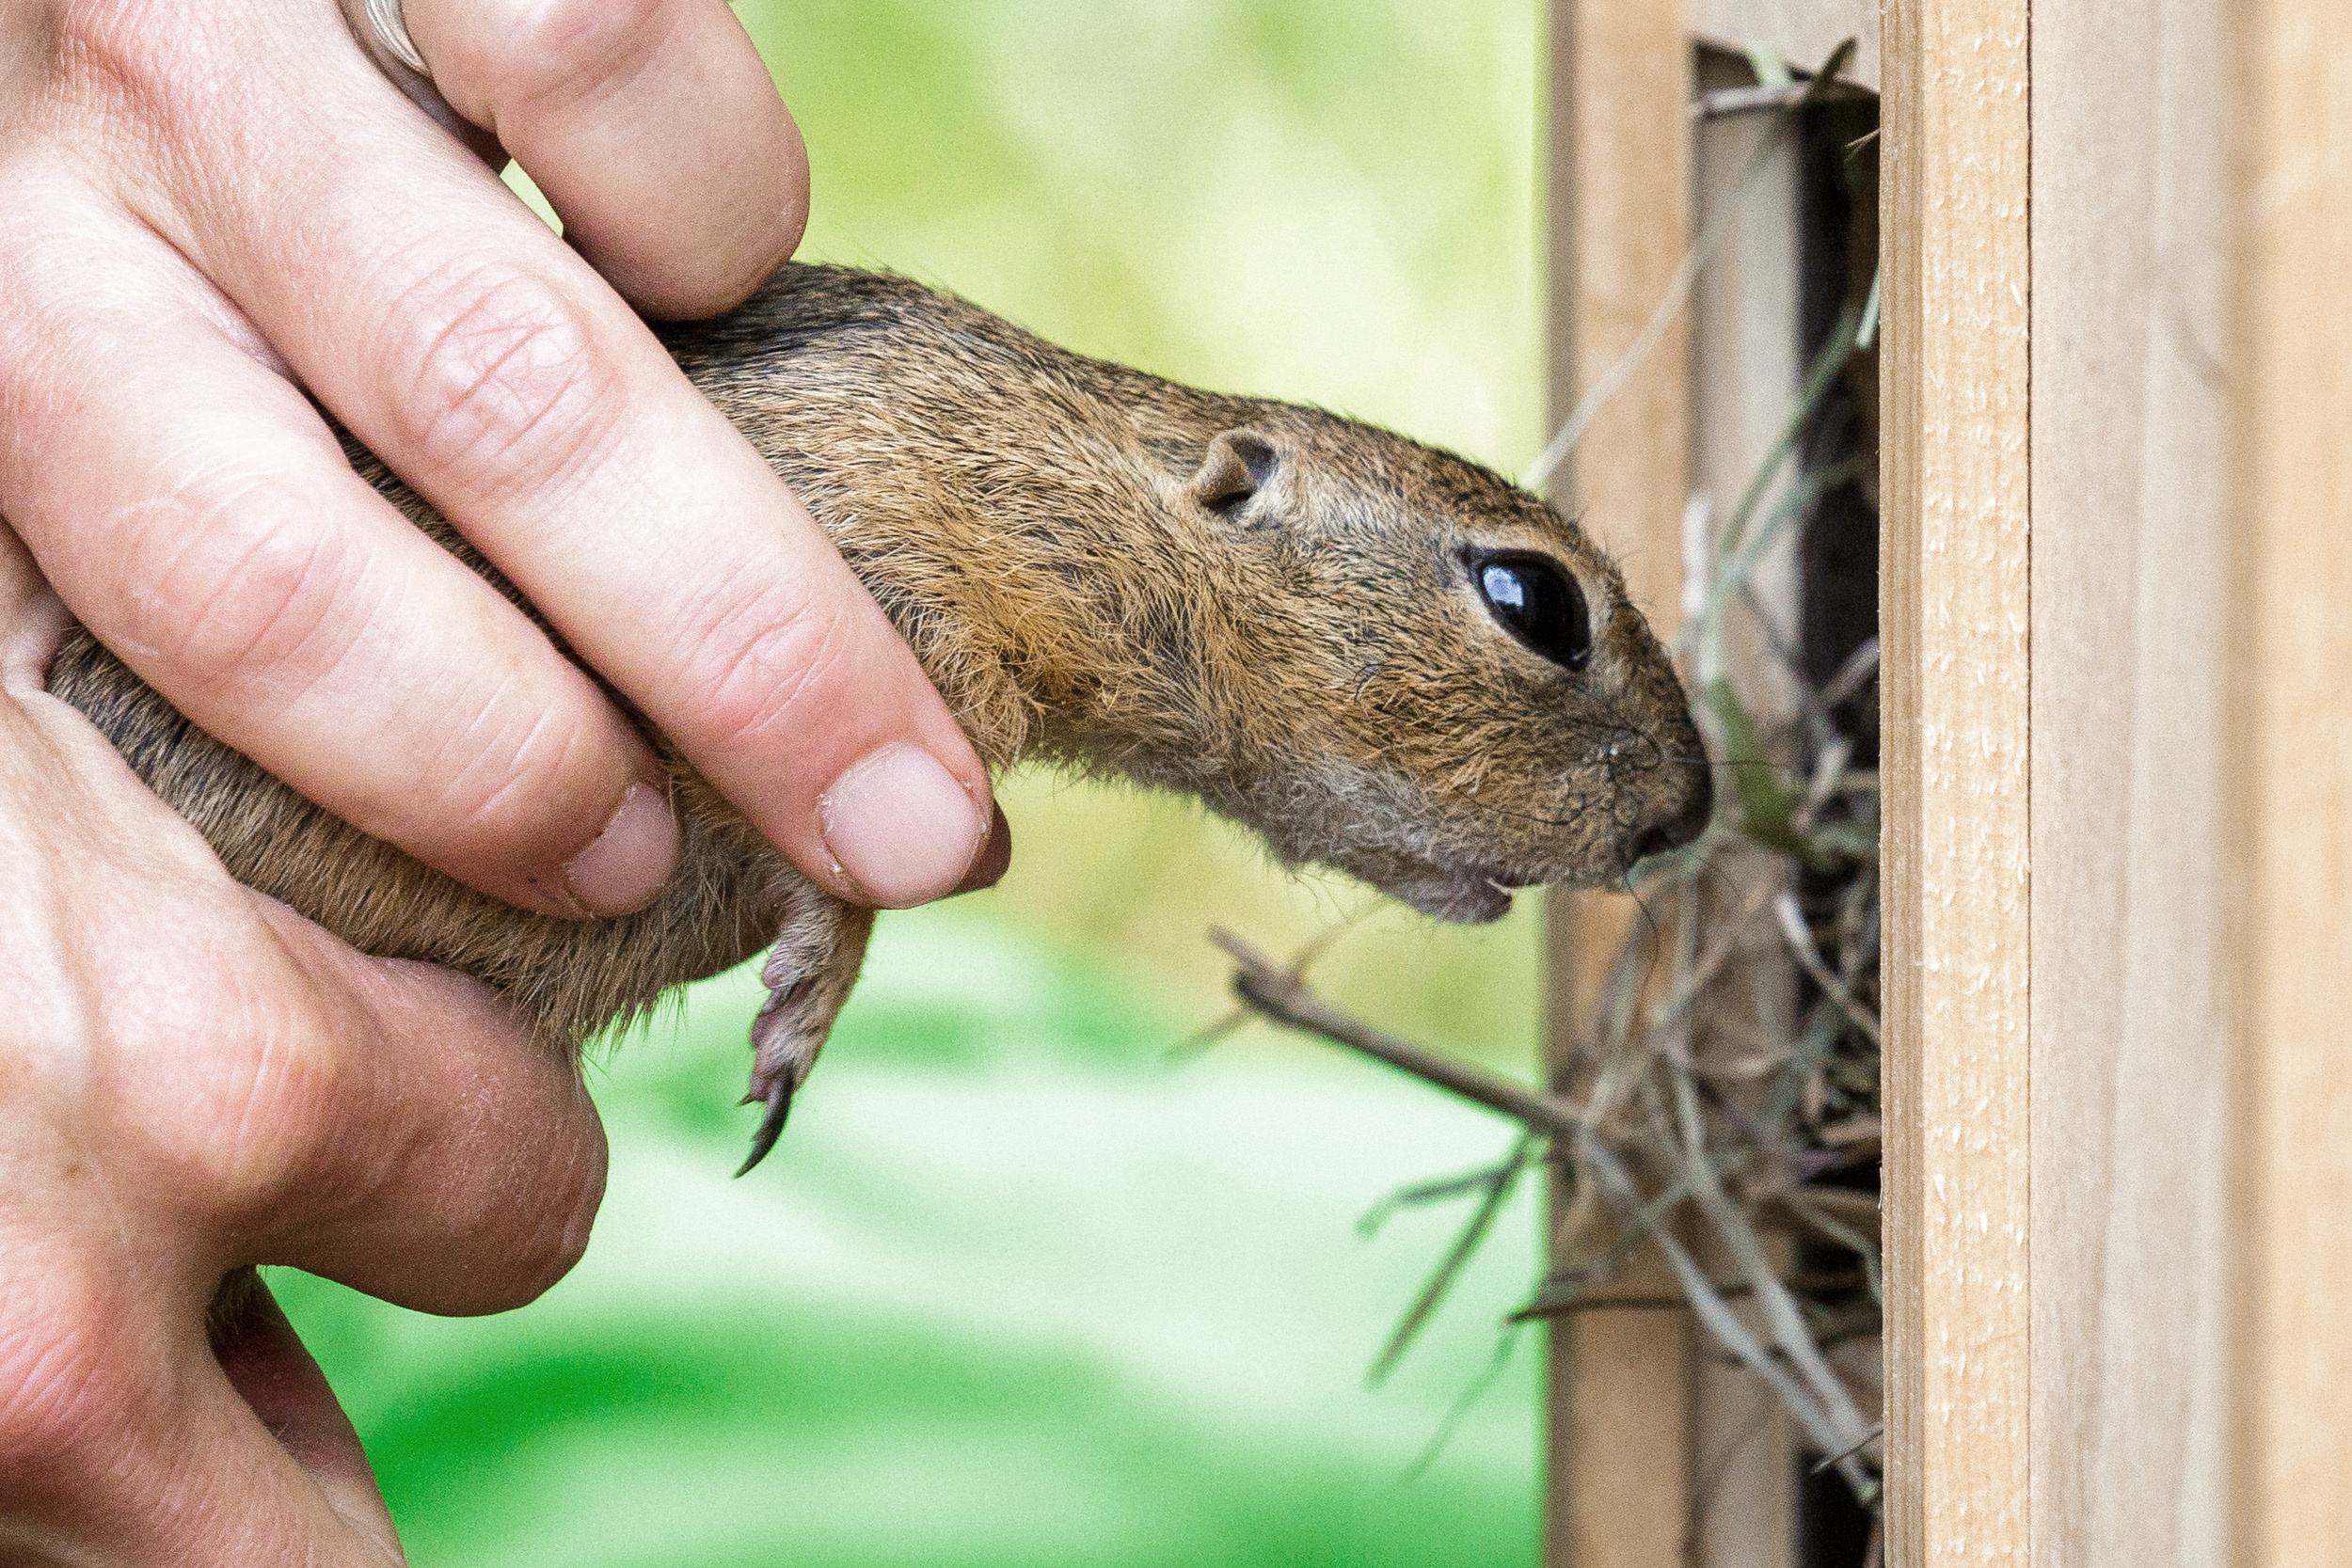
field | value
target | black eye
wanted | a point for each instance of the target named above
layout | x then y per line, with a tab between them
1538	603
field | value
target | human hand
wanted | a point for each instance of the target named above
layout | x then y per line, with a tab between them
196	1079
215	205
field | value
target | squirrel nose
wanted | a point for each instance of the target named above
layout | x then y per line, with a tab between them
1684	827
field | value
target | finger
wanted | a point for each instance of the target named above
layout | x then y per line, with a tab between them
652	126
125	1443
268	1365
273	1096
32	619
519	396
401	1134
383	37
253	1461
198	517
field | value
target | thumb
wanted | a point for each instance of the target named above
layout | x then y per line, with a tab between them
456	1161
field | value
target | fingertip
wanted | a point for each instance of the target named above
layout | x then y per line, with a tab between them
755	220
685	287
903	828
744	243
782	223
793	187
653	127
552	801
628	863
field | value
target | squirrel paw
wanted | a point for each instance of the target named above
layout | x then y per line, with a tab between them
808	978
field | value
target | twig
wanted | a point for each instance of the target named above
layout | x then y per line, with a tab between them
1282	997
1421	1193
1586	1301
1504	1344
1716	1316
1725	102
1800	944
1500	1184
1738	1237
1830	1461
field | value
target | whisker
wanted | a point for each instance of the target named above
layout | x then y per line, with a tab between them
1726	884
1657	944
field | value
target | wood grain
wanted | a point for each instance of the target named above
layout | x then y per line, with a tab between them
1801	32
1620	209
2290	785
1954	619
2129	232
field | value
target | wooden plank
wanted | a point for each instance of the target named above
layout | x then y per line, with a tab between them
1619	177
1745	370
1954	621
1801	32
2289	742
2129	216
1621	205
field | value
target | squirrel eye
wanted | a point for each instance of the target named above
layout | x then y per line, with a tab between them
1539	603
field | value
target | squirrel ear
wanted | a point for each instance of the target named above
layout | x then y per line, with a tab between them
1235	467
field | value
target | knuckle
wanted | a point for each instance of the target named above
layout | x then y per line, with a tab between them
157	72
500	382
228	582
519	778
69	1374
768	669
112	41
271	1116
558	49
50	337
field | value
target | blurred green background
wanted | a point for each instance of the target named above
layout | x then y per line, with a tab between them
1027	1284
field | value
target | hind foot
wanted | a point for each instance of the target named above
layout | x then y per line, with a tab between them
808	977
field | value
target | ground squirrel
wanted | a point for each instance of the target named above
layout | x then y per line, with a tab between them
1381	657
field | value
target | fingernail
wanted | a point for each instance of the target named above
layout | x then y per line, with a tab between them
995	856
901	828
630	860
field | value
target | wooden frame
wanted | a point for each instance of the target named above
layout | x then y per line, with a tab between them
2117	559
1661	1452
2130	195
1621	202
2287	752
1955	567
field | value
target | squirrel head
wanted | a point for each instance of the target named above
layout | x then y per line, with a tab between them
1410	669
1383	657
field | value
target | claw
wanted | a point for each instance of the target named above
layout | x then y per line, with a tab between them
808	977
779	1099
777	1069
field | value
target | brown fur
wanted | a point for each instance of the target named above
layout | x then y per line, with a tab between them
1312	663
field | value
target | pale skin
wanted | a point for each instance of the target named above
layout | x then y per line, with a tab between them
221	210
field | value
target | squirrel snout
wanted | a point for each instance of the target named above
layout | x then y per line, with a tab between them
1686	820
